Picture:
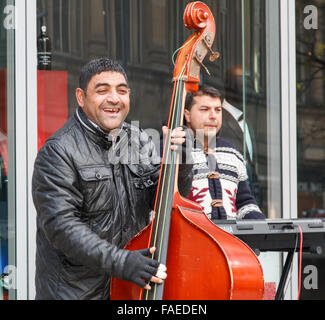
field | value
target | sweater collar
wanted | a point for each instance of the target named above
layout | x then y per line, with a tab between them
212	145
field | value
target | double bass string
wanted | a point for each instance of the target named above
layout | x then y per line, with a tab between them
163	175
167	151
178	93
158	203
165	207
171	169
195	35
168	142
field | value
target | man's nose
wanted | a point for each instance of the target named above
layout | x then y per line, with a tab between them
212	114
113	97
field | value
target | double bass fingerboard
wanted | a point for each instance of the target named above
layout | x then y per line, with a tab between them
167	186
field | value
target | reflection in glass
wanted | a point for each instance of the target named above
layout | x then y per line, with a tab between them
244	82
311	113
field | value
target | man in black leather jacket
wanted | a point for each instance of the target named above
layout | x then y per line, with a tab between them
94	184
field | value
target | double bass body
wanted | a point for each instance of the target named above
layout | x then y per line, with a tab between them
203	262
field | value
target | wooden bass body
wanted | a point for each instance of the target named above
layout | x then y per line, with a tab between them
203	261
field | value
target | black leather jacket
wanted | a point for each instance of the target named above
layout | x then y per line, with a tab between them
89	205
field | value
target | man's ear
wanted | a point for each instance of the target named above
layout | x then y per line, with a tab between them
187	116
80	96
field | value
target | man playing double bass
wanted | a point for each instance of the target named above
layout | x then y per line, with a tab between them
93	186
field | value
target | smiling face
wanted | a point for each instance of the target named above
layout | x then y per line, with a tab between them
106	101
205	115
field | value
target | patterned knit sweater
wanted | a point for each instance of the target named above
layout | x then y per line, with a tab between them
220	183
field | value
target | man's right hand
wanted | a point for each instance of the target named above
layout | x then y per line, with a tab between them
140	270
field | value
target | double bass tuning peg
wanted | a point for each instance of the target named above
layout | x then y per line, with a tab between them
199	57
214	55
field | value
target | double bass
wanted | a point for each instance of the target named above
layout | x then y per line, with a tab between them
203	261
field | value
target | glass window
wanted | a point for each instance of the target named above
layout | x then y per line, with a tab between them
311	112
7	211
310	29
242	77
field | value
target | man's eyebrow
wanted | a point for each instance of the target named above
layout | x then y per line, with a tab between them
102	84
210	107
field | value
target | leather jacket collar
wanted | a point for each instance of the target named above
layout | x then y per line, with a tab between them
103	139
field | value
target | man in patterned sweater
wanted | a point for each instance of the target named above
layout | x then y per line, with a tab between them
220	175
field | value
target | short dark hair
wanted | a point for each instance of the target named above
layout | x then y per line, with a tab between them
203	90
97	66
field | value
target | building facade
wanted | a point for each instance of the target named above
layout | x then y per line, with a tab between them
271	67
